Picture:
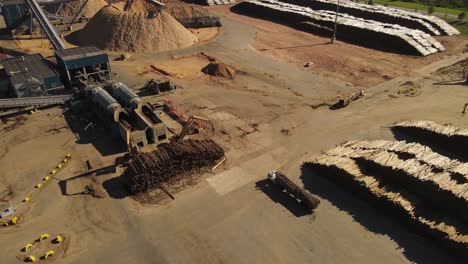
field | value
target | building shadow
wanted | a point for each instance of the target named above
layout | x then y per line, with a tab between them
98	172
415	248
89	129
277	195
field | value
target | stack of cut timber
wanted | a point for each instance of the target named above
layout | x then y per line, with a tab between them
169	163
437	188
355	30
448	138
416	213
429	24
424	154
434	127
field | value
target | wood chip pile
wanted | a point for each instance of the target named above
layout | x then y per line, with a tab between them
365	32
427	190
143	28
169	163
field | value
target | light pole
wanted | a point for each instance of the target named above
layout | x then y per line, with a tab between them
336	22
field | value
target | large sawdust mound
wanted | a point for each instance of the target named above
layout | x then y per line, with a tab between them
142	28
91	8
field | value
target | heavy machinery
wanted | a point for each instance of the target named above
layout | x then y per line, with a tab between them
193	125
299	194
81	73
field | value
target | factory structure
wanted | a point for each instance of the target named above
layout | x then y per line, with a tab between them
81	73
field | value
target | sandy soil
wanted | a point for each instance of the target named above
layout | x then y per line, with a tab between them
228	217
357	65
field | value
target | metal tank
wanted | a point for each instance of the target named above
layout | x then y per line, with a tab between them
126	96
107	103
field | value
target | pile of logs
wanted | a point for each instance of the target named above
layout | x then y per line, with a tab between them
434	127
451	139
425	189
169	163
413	20
446	229
365	32
420	152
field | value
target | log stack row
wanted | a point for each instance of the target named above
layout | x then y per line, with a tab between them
428	191
446	230
361	31
429	24
422	153
447	138
169	163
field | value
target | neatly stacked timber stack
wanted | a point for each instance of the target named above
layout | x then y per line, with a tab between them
370	33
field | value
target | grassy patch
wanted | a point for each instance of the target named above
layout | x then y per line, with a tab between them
418	6
461	26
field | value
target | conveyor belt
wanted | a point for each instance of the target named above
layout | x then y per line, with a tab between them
41	2
35	101
46	25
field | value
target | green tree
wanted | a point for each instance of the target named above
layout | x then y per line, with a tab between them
371	2
430	9
461	16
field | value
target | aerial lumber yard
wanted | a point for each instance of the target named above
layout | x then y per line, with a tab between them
223	131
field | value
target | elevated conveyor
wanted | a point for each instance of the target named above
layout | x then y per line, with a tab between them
35	101
46	26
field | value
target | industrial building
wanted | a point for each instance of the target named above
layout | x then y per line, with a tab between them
29	76
83	66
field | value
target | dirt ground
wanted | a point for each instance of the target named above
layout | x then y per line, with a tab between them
228	217
357	65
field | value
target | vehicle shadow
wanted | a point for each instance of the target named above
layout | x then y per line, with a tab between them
276	194
415	248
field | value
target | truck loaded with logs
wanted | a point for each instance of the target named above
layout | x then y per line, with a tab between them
299	194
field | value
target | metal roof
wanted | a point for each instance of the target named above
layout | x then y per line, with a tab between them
26	68
78	53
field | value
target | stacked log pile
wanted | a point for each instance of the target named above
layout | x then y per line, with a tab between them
361	31
437	188
394	198
459	170
169	163
434	127
449	138
429	24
